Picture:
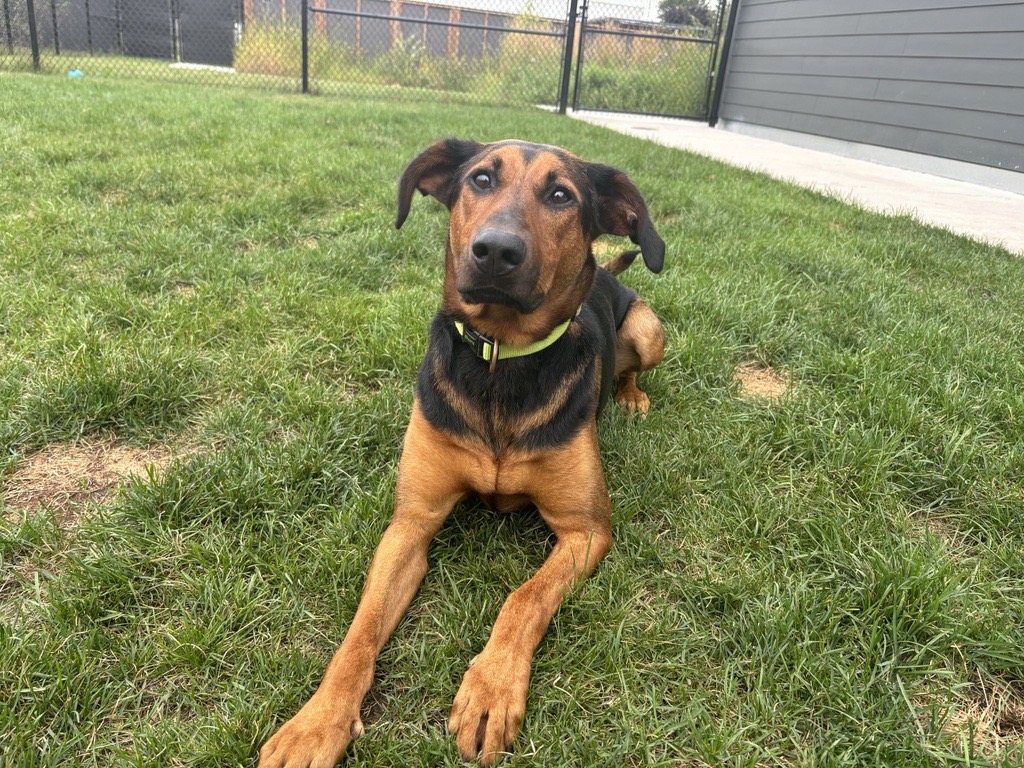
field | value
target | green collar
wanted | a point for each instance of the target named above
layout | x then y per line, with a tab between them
485	347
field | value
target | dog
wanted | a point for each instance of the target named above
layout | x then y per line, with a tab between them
531	338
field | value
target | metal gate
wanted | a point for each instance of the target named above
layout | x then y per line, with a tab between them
639	64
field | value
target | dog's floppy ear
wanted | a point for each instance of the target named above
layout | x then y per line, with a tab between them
621	210
432	173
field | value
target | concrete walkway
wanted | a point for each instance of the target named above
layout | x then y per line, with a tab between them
983	213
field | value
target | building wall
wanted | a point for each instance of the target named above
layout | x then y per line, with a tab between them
942	78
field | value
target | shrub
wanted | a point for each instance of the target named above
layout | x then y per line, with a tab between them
269	49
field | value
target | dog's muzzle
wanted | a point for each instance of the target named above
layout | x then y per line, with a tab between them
498	272
497	252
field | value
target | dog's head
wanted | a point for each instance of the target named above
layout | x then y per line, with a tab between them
523	218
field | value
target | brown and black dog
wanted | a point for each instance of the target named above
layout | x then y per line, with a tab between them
530	339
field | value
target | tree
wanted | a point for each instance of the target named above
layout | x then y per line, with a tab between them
686	13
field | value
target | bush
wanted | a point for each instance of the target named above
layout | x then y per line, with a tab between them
410	65
269	49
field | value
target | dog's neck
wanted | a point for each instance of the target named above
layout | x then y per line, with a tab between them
491	350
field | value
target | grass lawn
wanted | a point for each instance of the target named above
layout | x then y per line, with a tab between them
208	282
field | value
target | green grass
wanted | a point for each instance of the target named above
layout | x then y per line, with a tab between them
833	579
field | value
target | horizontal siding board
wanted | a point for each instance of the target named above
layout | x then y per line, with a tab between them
772	118
965	71
857	45
1009	18
972	150
1008	101
861	114
863	133
791	102
790	9
969	44
979	45
918	21
997	154
803	27
981	124
999	100
853	87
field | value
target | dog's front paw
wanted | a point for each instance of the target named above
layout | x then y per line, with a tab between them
317	737
629	396
489	707
633	400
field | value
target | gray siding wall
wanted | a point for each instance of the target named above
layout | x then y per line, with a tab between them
938	77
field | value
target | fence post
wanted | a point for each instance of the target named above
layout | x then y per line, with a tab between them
88	26
723	62
32	35
56	33
579	57
7	27
570	33
305	46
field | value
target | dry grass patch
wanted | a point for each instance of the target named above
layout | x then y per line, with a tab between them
930	525
607	249
989	715
761	382
66	477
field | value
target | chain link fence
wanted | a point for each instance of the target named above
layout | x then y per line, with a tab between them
512	53
186	40
653	60
628	56
462	51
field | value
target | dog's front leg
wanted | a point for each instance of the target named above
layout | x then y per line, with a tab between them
568	488
321	731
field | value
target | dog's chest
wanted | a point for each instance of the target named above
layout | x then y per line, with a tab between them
523	407
526	404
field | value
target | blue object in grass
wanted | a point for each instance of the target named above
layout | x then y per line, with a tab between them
76	73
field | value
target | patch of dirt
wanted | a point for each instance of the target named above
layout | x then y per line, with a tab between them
66	477
760	382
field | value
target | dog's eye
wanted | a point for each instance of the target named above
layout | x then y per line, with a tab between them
482	180
560	196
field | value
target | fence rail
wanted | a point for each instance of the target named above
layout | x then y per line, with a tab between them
432	22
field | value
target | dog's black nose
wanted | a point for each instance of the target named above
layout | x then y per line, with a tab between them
497	252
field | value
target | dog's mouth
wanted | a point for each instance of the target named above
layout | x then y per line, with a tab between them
489	294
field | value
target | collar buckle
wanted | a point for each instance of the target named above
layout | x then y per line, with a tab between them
482	346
